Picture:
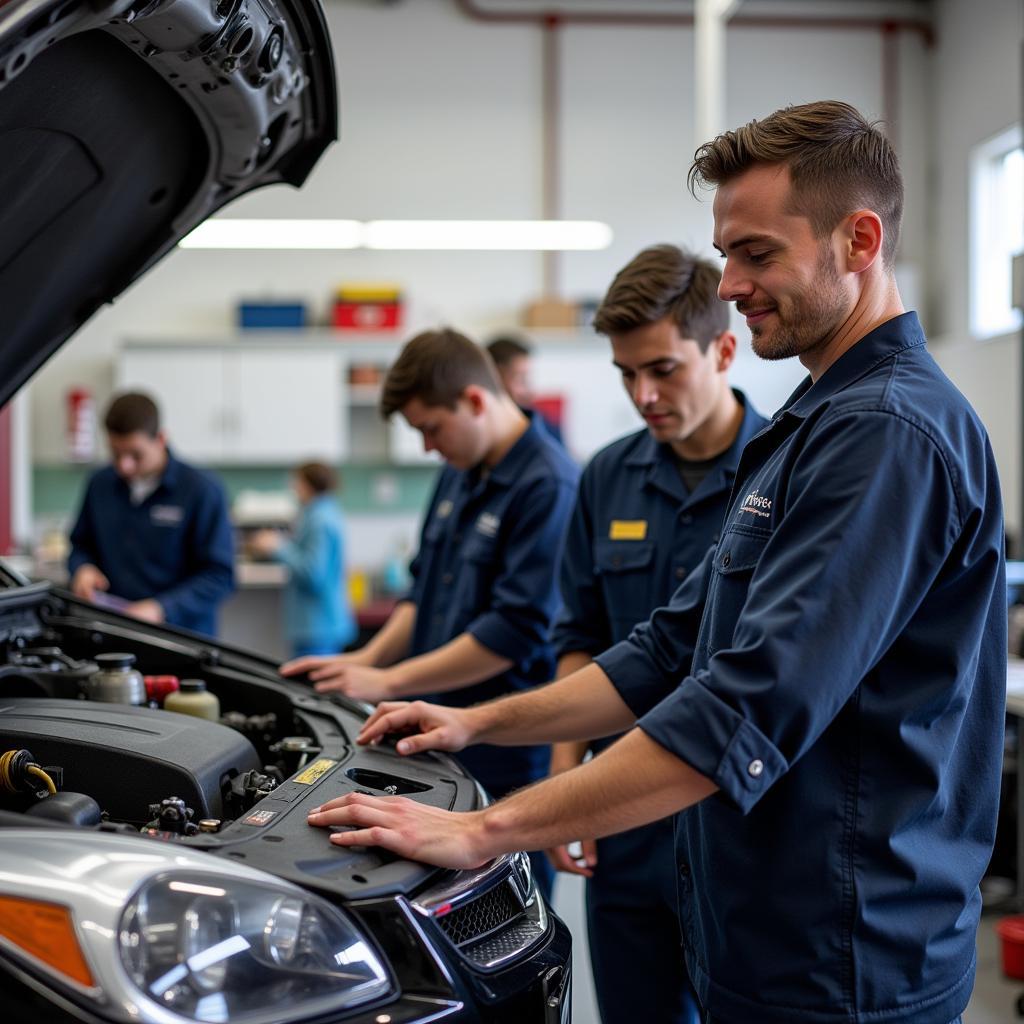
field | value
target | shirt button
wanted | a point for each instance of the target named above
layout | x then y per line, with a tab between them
684	870
755	768
726	560
447	578
686	519
681	572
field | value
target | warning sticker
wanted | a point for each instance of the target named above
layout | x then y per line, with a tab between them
258	818
316	771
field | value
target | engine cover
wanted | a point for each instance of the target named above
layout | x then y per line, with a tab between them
127	758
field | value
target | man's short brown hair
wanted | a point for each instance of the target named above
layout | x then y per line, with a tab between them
664	281
130	413
436	367
838	162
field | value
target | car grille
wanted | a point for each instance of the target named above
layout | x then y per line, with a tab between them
482	916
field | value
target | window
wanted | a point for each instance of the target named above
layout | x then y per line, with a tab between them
997	232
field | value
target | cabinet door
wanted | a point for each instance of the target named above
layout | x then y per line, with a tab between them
287	406
188	385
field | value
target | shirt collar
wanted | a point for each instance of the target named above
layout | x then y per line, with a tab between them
885	341
512	464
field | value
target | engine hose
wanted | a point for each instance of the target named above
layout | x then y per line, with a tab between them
15	768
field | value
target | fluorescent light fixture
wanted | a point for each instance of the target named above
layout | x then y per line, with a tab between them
487	234
236	233
530	235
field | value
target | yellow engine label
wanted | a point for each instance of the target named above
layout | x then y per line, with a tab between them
317	770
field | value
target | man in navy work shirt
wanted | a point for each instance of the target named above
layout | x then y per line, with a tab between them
649	507
832	723
476	623
152	531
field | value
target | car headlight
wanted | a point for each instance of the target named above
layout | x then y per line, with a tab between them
165	934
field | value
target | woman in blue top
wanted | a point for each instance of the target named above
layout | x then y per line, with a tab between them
318	619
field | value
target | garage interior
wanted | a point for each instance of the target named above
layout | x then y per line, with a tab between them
582	111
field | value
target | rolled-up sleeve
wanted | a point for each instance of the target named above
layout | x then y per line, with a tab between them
524	598
857	548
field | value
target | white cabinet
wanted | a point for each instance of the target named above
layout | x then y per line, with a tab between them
244	403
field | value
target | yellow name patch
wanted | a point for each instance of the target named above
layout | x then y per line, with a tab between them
628	529
315	771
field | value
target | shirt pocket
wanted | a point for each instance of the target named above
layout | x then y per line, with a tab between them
624	569
472	576
736	558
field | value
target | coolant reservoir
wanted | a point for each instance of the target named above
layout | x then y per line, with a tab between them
117	681
192	698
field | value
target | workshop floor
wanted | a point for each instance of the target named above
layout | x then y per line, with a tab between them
993	1002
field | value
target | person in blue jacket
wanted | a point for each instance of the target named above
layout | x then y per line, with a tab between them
822	701
152	537
476	623
649	507
318	619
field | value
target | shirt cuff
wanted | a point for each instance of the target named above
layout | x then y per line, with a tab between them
499	636
715	740
640	683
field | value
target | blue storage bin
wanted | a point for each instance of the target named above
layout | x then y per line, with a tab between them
271	314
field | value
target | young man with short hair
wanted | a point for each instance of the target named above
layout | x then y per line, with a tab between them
649	507
476	623
830	726
152	530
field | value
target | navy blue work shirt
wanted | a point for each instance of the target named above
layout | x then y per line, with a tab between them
487	566
176	546
847	697
636	533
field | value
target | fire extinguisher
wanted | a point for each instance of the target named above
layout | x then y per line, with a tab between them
81	425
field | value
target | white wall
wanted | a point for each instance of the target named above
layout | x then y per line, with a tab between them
441	118
976	76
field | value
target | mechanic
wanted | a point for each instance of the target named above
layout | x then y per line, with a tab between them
476	623
649	507
834	717
513	356
152	533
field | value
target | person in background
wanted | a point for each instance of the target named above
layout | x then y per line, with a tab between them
649	507
513	356
318	619
476	623
822	701
152	532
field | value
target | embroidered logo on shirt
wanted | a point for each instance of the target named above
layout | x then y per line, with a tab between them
488	524
628	529
167	515
757	505
444	508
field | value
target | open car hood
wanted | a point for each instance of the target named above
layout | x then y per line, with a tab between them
125	124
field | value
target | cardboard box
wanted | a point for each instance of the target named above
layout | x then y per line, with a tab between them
550	313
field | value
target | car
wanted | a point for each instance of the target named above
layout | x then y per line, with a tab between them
157	866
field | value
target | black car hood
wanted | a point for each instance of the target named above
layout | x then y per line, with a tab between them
124	125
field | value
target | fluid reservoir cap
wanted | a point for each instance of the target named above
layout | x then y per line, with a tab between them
115	660
192	686
209	824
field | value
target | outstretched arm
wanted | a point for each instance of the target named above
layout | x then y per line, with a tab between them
634	782
581	706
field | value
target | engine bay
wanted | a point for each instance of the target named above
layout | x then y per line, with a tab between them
81	748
